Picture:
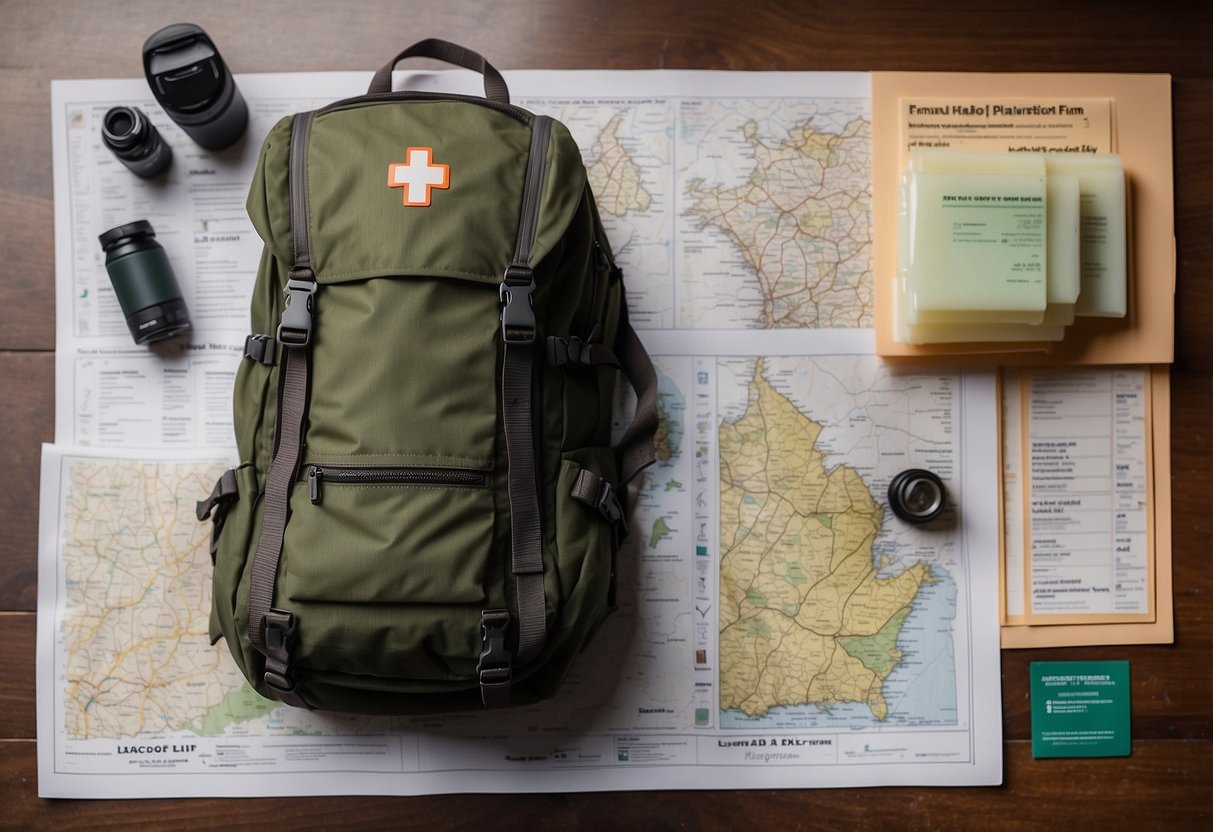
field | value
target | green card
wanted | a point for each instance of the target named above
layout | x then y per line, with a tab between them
1080	709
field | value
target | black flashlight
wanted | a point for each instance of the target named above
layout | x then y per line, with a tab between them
194	86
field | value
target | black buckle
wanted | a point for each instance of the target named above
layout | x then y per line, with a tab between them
295	330
281	682
260	348
518	311
279	633
611	509
563	352
493	669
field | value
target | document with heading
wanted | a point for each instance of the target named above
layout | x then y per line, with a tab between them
1052	113
1078	483
1008	125
777	626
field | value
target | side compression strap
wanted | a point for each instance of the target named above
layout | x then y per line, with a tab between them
637	449
225	492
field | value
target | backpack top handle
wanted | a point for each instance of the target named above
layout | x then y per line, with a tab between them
452	53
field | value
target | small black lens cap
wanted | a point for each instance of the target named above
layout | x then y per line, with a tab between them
138	228
916	495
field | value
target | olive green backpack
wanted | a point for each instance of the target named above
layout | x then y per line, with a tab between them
429	507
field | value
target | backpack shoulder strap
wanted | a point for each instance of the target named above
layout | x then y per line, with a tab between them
517	384
271	631
637	447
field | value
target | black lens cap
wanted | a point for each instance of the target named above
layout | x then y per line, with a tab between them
138	228
184	68
916	495
192	83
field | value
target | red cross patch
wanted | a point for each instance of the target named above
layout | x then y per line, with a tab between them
418	175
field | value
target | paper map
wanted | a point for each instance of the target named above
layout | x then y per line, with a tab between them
777	626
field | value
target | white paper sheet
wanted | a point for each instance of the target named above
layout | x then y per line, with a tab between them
1079	468
665	697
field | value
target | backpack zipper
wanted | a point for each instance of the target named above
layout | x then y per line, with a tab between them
596	312
395	475
301	238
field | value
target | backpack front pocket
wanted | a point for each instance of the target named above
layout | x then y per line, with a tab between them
392	535
388	567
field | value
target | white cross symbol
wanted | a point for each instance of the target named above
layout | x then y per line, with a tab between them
418	175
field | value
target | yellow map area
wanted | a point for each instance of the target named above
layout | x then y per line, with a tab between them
804	616
614	175
137	580
801	222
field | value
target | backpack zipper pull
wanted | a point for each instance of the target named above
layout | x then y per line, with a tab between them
314	477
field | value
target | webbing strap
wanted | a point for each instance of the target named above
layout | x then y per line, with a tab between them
225	490
295	336
526	553
637	449
518	330
283	470
216	505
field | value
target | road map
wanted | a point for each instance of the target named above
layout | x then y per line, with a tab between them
776	628
741	213
814	603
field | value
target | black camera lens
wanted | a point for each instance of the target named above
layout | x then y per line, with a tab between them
194	86
144	282
135	141
916	496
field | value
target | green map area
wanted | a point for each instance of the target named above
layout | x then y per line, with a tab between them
805	617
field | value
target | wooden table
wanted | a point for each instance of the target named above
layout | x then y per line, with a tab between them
1168	780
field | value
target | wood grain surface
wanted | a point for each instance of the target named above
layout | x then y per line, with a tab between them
1167	783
